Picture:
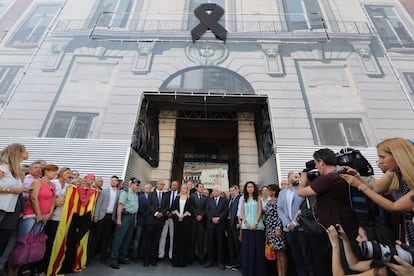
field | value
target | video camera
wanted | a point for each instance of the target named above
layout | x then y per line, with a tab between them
345	157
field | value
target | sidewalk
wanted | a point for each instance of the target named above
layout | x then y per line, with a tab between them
164	268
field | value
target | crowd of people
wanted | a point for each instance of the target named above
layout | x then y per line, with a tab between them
124	223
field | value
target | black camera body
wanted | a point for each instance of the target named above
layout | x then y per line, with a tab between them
378	251
312	173
345	157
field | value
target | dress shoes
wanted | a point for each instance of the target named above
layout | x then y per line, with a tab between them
208	264
146	263
154	263
125	261
115	266
221	266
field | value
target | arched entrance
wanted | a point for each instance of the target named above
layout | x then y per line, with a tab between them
216	122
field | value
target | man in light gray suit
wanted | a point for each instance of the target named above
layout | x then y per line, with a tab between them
104	217
288	205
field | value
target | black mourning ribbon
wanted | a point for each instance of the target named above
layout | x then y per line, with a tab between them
209	14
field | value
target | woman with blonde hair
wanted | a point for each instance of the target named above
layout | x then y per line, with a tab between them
396	160
11	187
183	207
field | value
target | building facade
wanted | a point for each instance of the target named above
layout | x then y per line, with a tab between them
290	74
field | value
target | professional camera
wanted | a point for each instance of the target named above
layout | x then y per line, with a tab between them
353	158
345	157
312	172
378	251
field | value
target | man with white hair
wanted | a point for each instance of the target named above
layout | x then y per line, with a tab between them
216	214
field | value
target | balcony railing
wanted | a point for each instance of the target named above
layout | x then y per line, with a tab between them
244	29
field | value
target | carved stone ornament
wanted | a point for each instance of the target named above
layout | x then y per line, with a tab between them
143	58
369	62
54	57
206	53
363	52
273	60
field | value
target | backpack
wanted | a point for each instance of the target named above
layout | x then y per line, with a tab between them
308	218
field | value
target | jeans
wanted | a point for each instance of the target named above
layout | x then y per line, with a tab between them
25	226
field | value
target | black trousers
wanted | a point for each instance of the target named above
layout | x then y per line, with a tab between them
198	247
233	244
103	232
152	240
215	234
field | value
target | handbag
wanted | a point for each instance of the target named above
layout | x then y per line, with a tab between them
31	247
269	252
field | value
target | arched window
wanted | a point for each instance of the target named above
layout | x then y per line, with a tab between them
207	79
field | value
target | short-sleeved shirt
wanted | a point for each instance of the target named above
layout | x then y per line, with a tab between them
129	201
8	200
333	204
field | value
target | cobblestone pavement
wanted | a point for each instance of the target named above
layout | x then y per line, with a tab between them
164	268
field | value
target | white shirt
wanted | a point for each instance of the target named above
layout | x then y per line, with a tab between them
239	206
182	205
111	203
7	200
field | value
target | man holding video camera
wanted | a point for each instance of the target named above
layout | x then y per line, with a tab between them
333	206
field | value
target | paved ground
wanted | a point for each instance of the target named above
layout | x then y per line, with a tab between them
164	268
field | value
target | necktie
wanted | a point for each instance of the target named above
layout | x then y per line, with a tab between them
172	198
217	201
199	196
159	198
231	201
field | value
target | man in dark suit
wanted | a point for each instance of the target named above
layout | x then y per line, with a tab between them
138	248
157	204
216	214
199	224
233	228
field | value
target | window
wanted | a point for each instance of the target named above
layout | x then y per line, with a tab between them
303	14
207	80
7	81
71	124
410	79
341	132
390	28
193	20
112	13
4	4
32	30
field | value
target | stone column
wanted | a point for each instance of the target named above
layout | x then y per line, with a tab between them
167	131
248	154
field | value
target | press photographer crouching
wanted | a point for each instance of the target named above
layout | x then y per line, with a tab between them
375	242
331	191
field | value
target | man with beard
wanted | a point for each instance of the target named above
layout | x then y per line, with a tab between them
288	205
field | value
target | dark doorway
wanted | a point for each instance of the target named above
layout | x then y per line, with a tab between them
209	141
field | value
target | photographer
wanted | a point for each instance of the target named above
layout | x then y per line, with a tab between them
365	234
333	206
332	193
